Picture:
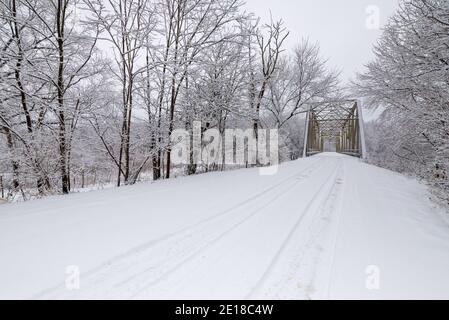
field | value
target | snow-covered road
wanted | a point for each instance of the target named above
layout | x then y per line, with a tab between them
328	226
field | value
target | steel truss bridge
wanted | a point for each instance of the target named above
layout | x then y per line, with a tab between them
338	124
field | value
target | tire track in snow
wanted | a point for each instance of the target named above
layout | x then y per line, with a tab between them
320	249
144	284
333	242
121	264
170	280
318	203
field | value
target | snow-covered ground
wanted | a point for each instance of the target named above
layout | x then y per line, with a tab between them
329	226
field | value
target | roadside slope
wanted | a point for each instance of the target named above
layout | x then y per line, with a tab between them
389	227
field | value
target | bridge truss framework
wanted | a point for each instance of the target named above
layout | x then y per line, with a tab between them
336	122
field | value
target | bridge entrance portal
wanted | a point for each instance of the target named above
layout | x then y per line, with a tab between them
335	126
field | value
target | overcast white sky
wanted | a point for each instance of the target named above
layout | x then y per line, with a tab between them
340	26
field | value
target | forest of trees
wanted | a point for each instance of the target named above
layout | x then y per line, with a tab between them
409	81
90	90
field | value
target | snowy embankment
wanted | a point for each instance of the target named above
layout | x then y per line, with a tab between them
328	226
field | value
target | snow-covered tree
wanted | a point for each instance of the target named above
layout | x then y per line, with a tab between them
409	78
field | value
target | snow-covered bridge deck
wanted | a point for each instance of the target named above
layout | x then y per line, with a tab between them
320	228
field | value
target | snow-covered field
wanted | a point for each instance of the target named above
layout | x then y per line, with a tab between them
328	226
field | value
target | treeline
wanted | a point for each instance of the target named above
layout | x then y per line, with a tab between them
90	90
409	80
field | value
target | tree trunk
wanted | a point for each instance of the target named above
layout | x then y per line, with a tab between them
14	163
60	23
